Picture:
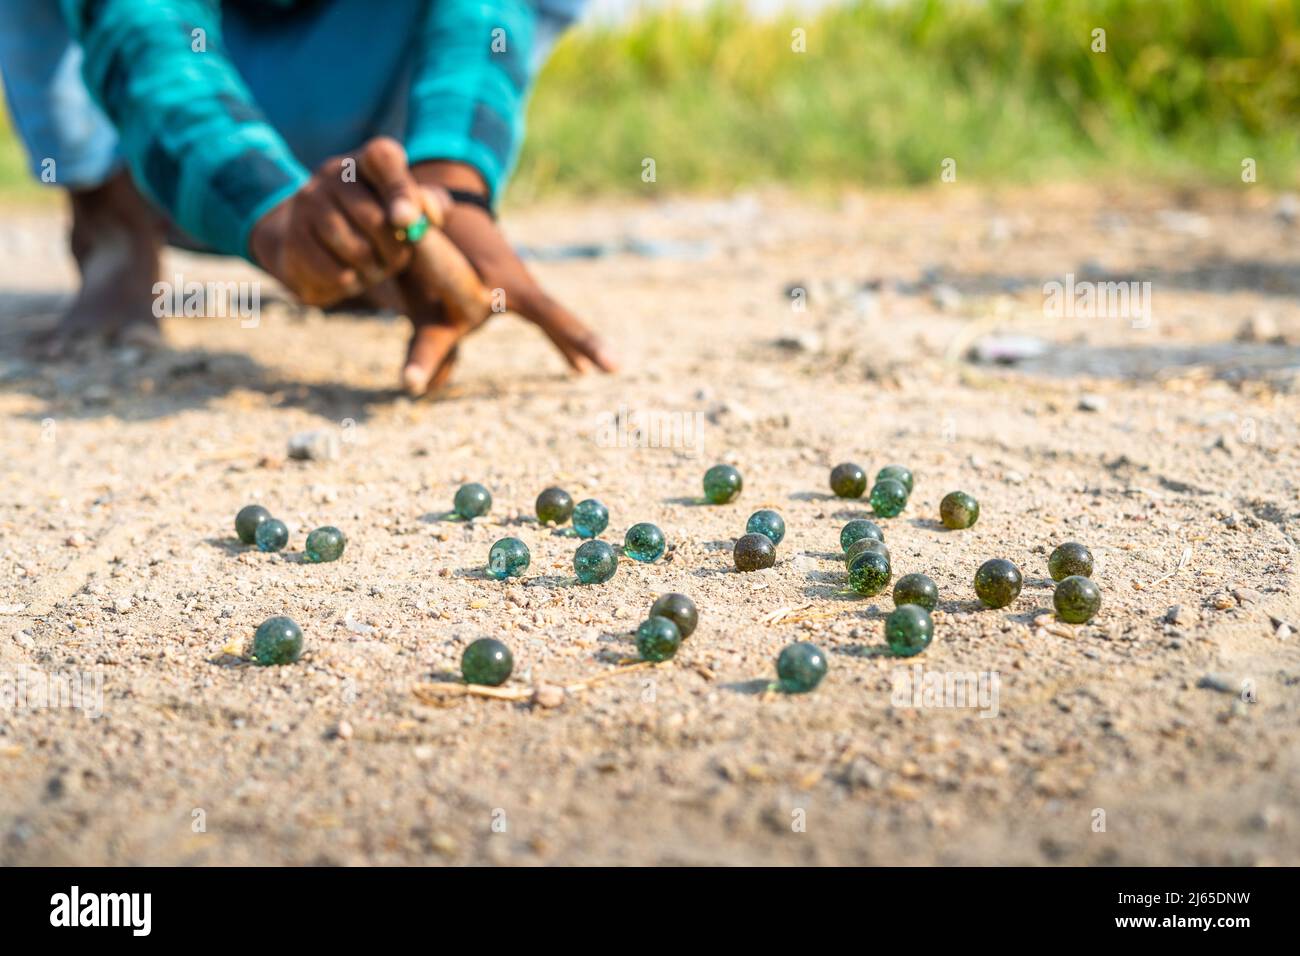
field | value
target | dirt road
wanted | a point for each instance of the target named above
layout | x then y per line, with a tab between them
1161	431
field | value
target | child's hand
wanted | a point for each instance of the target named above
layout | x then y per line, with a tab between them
337	236
472	230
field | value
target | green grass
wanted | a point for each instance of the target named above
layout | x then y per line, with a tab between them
885	92
1012	91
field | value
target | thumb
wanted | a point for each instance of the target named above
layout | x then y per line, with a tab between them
383	164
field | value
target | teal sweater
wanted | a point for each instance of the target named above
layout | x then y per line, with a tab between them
197	143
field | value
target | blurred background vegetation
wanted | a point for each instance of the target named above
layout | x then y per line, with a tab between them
888	88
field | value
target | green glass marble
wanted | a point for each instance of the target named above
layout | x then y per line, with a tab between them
857	529
722	484
679	609
554	506
594	562
1077	599
508	558
658	639
248	520
958	510
272	535
899	473
487	661
909	630
998	582
848	480
472	501
278	640
325	544
644	542
766	522
888	497
916	589
864	544
590	518
869	572
415	231
1070	558
800	667
753	552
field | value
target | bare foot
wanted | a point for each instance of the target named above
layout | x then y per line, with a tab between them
117	240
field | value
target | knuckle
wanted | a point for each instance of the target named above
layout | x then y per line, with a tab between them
370	217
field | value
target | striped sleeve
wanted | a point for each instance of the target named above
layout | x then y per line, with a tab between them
189	128
470	85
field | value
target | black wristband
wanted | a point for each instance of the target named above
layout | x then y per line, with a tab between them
470	198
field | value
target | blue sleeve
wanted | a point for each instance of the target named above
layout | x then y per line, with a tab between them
470	84
190	131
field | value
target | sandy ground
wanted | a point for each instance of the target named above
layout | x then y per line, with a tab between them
1167	731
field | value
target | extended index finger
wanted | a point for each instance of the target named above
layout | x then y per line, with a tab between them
578	342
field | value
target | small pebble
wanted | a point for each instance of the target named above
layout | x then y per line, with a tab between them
548	695
1217	682
315	446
